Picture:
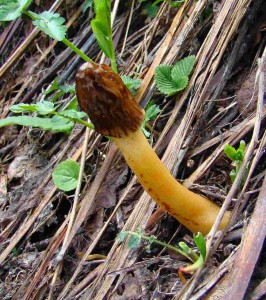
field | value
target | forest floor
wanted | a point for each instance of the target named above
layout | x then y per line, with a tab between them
223	104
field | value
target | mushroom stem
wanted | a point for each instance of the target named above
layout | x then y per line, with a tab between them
193	211
114	112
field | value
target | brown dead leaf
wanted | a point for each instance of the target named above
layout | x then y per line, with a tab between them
117	176
18	167
26	163
129	289
247	95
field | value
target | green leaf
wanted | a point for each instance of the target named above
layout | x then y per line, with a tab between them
139	230
151	10
131	83
182	83
170	80
233	174
61	89
176	3
101	27
240	152
239	155
68	88
164	81
242	146
183	68
55	124
42	108
86	5
134	241
54	86
51	24
65	175
122	236
45	107
12	9
201	244
23	108
151	112
184	247
230	152
73	104
157	1
74	114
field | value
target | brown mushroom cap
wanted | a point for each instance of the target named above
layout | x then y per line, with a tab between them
104	97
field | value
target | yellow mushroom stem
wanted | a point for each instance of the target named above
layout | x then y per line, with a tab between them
114	112
193	211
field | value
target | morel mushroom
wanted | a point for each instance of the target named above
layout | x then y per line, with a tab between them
114	112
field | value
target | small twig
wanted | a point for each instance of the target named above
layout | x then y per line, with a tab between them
127	29
237	182
73	214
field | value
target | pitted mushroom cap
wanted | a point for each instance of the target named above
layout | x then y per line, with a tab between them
104	97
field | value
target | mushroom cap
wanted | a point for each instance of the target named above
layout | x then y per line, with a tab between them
104	97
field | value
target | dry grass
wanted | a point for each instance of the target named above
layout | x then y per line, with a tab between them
47	236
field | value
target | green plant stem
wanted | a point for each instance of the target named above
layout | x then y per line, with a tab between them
29	14
65	41
89	125
192	268
153	240
184	247
114	65
76	50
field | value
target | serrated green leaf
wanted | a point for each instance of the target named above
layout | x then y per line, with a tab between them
183	68
131	83
42	108
151	112
134	241
61	89
23	108
45	107
68	88
101	27
12	9
74	114
51	24
65	175
230	152
55	124
164	81
181	83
